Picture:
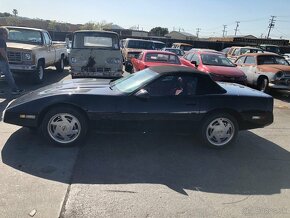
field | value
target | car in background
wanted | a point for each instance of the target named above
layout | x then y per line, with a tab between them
270	48
206	50
165	98
226	50
95	54
177	51
183	46
154	58
131	48
158	45
216	65
265	70
287	56
238	51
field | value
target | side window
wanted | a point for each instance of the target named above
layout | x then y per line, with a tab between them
188	56
47	39
236	52
173	86
195	58
250	60
241	60
140	56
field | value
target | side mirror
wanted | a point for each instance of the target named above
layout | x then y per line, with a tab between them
142	94
194	63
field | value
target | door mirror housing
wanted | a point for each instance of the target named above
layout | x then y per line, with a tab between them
143	94
194	63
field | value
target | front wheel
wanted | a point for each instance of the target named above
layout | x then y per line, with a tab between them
219	130
64	126
38	75
263	84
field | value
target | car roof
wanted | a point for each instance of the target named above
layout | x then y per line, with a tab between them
181	43
138	40
95	31
261	54
158	52
28	28
176	69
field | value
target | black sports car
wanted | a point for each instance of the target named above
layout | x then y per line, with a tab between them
167	98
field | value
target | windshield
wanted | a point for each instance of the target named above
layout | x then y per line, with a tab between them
216	60
269	59
140	44
134	81
96	40
162	58
25	36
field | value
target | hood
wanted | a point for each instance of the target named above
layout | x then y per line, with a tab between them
70	87
15	45
225	71
273	68
240	90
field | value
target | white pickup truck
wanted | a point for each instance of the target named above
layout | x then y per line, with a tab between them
31	50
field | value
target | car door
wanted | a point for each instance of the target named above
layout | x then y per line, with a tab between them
249	68
50	51
171	104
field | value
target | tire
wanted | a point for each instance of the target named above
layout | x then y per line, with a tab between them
128	67
219	130
38	75
263	84
64	126
60	65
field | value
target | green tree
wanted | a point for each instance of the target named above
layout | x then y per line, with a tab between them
158	31
96	25
15	12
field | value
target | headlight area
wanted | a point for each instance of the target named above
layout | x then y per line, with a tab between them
26	56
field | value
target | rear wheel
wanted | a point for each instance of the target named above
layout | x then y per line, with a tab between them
64	126
263	84
219	130
60	65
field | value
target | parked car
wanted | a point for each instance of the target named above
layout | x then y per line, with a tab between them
226	50
287	57
132	48
158	45
265	70
183	46
270	48
177	51
95	54
152	58
238	51
216	65
175	99
31	50
205	50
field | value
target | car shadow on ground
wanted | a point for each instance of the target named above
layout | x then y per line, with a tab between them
283	95
254	166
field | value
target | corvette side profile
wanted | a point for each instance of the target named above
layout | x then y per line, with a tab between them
163	98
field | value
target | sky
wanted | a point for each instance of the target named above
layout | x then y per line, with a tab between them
183	15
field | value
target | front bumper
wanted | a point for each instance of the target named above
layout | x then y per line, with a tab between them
22	68
280	85
117	74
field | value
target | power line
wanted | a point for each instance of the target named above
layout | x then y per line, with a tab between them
271	25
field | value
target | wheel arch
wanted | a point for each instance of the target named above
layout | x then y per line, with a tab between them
229	111
45	110
41	60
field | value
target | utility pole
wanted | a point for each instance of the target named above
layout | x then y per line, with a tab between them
197	32
224	30
237	26
271	25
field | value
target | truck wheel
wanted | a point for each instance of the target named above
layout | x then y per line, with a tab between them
38	75
60	65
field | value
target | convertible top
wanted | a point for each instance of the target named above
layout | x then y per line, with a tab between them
175	69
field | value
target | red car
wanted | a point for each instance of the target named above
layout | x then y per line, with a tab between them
151	58
217	65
